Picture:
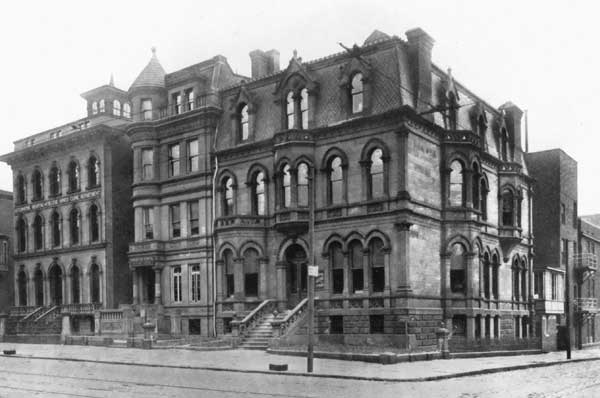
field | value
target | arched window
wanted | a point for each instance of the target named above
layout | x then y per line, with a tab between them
336	264
475	186
456	197
286	191
375	175
229	273
335	191
302	184
21	234
54	179
127	110
523	280
93	172
377	264
73	173
195	283
486	275
38	232
243	120
355	256
116	108
21	189
258	194
516	274
74	226
290	110
94	224
94	108
304	108
22	283
483	192
101	106
227	187
95	283
36	179
251	273
495	276
177	294
508	208
356	92
55	221
75	290
458	265
38	283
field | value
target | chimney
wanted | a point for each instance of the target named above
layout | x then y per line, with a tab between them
420	45
513	123
264	63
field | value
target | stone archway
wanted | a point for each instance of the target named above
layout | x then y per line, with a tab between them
296	260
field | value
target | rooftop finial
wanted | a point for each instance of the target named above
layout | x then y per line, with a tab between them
112	80
295	53
153	51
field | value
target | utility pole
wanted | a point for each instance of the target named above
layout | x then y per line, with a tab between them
309	274
568	307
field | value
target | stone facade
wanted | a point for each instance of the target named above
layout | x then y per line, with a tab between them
586	319
6	255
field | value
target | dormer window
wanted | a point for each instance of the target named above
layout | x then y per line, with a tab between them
290	107
147	109
243	122
94	108
190	99
127	110
356	92
116	108
177	104
101	106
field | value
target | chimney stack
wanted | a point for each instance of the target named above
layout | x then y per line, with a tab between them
420	45
264	63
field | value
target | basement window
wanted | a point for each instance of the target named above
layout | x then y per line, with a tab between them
336	324
376	323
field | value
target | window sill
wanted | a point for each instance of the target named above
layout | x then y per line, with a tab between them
92	187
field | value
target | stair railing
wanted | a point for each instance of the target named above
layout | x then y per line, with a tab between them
241	328
51	313
281	326
33	314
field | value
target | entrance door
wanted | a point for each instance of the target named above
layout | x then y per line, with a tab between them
296	274
147	285
56	285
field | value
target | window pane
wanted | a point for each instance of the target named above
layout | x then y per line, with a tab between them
376	173
147	109
175	221
174	160
304	107
194	218
456	184
357	93
290	110
302	184
147	164
193	155
286	186
244	122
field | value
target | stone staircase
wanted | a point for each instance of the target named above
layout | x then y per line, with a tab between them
258	338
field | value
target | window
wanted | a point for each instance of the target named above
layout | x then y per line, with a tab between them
21	189
377	258
93	172
251	273
194	216
517	323
194	326
193	158
258	195
452	111
486	275
475	186
75	284
147	164
173	160
575	214
376	324
22	282
290	110
94	108
74	226
54	177
21	234
177	103
38	235
304	108
336	324
227	187
516	275
508	208
564	251
483	191
101	106
243	126
478	326
356	266
302	184
190	99
73	174
495	276
4	256
195	282
356	92
127	110
94	224
175	221
36	179
147	109
56	229
554	282
458	264
176	285
229	273
38	282
286	199
563	214
336	181
456	197
148	222
116	108
336	263
376	189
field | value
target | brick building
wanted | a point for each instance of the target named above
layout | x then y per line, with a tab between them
6	258
587	290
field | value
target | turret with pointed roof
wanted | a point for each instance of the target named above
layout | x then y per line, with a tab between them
153	75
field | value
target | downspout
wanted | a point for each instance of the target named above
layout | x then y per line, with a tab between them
214	242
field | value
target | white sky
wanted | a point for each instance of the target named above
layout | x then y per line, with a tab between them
541	55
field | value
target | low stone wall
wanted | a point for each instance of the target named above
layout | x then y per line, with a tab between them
462	344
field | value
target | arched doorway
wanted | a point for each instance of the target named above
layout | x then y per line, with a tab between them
55	278
296	274
22	282
38	282
95	283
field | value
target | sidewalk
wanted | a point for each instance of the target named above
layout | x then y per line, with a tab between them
258	362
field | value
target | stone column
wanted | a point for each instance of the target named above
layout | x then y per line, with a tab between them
402	232
468	181
238	277
347	274
492	322
262	275
47	296
446	186
135	299
482	326
220	288
387	270
157	285
366	271
280	269
471	328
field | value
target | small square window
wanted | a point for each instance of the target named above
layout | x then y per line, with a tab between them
376	323
336	324
194	326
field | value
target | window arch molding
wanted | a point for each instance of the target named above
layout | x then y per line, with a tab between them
347	73
75	226
250	244
463	240
243	98
329	177
54	180
225	247
37	183
93	170
283	183
333	238
90	222
228	205
295	79
366	164
20	188
382	236
73	175
253	185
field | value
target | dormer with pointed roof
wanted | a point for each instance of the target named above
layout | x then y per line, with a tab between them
153	75
148	92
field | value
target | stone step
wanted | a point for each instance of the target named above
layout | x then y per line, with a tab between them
260	334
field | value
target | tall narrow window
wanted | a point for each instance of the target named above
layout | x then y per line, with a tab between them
177	296
127	110
94	108
229	273
258	201
194	221
452	111
486	275
227	196
195	282
38	282
173	160
73	173
287	187
36	180
251	273
563	214
116	108
304	108
336	181
495	277
175	221
95	283
376	189
356	265
243	122
336	263
290	110
504	144
148	222
523	281
476	187
515	277
21	234
22	282
483	191
21	189
190	99
508	209
38	234
177	104
56	229
147	164
74	224
302	184
377	259
54	177
94	224
101	106
193	156
456	197
93	172
147	109
356	92
458	263
75	284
